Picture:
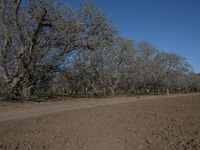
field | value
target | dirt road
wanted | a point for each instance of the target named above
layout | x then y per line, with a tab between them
19	111
13	111
155	122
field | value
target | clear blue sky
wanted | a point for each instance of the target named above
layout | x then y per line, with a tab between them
171	25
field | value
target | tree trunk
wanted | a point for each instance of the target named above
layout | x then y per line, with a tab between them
18	91
112	90
13	89
25	92
13	94
167	91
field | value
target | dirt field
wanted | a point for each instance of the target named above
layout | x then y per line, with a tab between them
147	123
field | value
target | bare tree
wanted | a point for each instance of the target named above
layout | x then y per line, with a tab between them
128	67
36	36
174	68
44	45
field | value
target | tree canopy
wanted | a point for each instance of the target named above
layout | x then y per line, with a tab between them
48	47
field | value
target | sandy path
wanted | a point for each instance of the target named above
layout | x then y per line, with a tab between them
33	110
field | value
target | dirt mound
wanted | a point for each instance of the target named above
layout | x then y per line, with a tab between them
162	123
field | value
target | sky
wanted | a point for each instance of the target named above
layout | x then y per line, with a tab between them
170	25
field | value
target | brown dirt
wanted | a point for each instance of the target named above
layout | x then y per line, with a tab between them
149	123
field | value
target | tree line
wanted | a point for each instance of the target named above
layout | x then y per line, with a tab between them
50	48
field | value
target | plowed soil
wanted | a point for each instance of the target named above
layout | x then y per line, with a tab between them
146	123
